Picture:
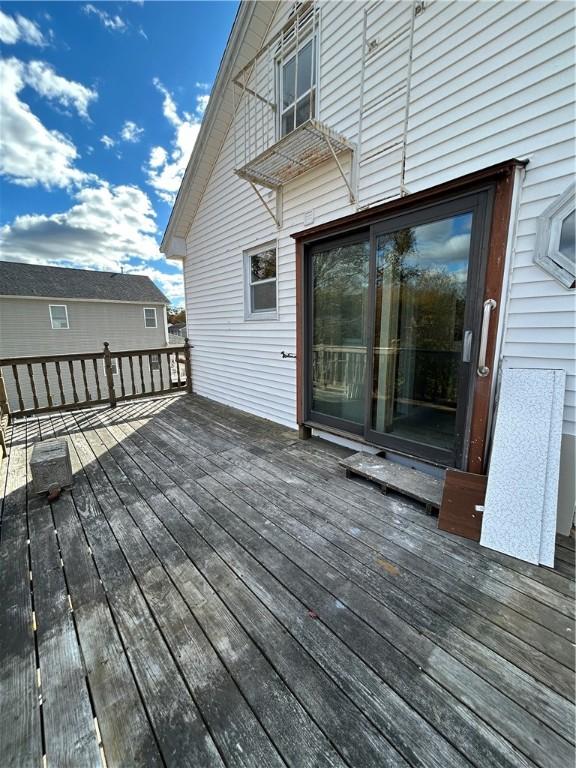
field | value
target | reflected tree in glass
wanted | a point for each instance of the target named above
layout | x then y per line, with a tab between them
340	294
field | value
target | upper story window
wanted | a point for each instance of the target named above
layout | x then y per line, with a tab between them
297	77
260	278
555	239
150	317
59	316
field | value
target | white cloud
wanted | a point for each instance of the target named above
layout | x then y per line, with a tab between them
158	157
170	283
131	132
438	241
106	226
114	23
166	167
19	29
202	103
30	153
107	141
68	93
203	86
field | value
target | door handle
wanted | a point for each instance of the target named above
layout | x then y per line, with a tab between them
489	306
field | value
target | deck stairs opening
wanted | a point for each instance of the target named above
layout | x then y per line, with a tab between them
392	476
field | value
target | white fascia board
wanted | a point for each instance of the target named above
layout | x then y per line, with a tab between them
176	249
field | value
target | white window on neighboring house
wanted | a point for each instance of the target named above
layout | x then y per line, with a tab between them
260	282
113	365
150	317
59	316
555	239
297	85
154	362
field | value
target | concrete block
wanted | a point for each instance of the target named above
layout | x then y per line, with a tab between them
50	465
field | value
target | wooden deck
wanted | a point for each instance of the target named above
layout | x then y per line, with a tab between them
214	592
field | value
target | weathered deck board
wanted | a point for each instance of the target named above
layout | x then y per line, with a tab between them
558	714
298	738
423	745
499	565
371	748
523	654
500	708
65	696
20	729
122	720
238	734
180	731
257	609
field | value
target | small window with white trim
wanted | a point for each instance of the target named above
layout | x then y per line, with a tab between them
150	317
260	282
113	366
555	239
59	316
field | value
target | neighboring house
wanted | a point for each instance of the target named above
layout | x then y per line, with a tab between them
56	311
366	177
177	329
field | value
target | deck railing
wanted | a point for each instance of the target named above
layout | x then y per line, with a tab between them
39	384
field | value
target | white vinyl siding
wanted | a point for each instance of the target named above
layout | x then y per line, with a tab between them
59	317
490	82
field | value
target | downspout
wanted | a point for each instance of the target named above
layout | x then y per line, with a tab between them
417	9
358	151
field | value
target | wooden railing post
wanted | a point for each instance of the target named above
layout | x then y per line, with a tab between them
188	364
109	376
4	415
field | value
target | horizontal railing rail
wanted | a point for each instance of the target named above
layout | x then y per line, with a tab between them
43	383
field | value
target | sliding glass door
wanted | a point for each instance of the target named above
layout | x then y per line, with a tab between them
392	326
421	278
338	294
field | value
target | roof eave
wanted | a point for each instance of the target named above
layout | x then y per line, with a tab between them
223	79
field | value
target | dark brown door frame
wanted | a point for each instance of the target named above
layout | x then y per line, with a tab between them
502	178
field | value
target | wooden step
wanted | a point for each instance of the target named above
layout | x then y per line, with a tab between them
396	477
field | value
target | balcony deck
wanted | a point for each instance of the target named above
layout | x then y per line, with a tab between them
214	592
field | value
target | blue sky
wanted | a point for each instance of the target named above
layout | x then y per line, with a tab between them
101	104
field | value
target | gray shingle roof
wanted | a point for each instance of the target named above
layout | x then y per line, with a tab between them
19	279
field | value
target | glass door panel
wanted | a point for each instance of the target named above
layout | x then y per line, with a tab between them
420	300
339	287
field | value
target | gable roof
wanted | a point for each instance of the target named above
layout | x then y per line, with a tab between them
20	279
249	31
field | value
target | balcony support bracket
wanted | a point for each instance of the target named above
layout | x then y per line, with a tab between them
277	216
347	181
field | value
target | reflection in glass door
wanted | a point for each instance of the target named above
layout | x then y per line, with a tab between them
338	281
420	300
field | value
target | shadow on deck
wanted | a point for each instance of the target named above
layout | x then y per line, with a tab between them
214	592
